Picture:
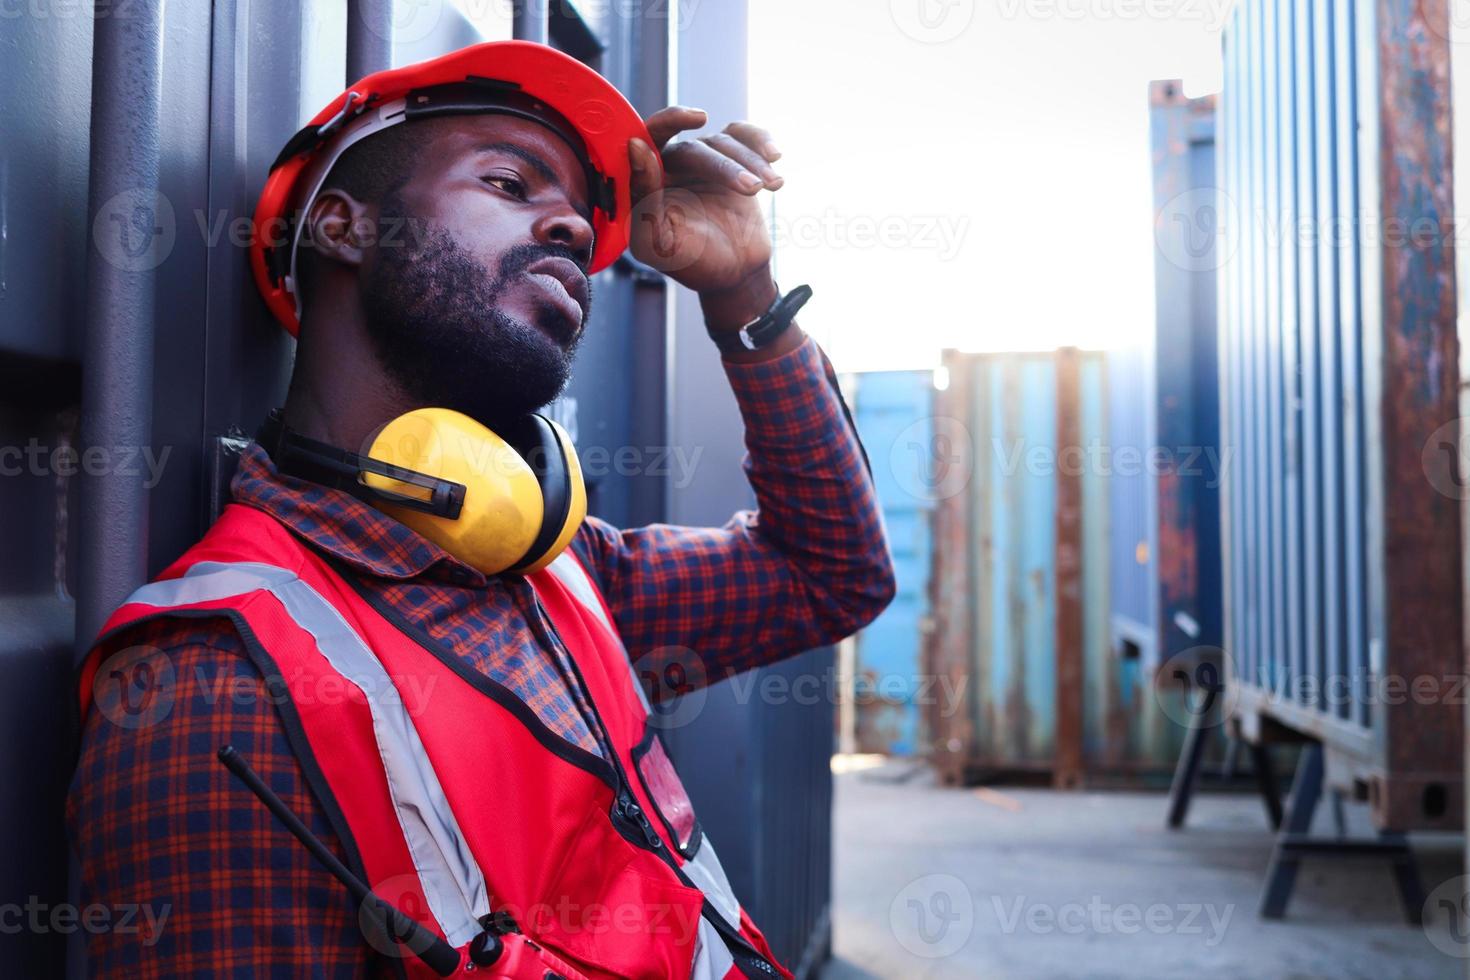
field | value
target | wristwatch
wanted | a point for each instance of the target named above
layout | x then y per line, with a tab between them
764	329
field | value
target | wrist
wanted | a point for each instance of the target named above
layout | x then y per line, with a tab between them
732	308
780	347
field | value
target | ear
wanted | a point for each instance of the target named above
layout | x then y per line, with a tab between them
339	227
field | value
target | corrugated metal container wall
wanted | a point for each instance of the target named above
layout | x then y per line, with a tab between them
893	411
1339	363
224	87
43	242
1020	583
1184	397
1133	548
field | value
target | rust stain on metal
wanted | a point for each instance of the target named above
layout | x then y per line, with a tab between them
946	648
1069	635
1420	381
1177	561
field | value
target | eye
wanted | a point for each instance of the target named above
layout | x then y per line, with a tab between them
510	183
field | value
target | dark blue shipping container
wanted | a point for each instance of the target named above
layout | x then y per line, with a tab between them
1339	374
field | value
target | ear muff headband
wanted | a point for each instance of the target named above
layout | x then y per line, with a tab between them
536	440
321	462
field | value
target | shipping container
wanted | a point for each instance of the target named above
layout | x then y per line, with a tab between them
1183	390
1020	586
893	411
1339	374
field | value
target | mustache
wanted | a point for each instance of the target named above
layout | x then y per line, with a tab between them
519	257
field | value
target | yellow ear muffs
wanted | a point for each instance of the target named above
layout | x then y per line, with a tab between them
523	499
548	449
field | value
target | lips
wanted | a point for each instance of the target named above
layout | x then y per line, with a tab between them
563	279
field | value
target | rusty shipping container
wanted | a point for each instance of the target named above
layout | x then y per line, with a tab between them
1339	376
1019	587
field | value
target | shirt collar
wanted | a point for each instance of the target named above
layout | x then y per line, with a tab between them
343	526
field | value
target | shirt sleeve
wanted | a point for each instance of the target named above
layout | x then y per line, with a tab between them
211	884
808	567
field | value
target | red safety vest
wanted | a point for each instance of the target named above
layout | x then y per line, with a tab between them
451	799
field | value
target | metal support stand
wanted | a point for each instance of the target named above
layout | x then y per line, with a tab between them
1231	763
1295	843
1181	790
1267	780
1187	771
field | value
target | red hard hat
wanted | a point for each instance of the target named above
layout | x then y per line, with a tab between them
516	77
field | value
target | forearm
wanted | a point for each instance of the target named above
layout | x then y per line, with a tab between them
815	496
808	568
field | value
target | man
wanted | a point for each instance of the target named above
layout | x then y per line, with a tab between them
465	734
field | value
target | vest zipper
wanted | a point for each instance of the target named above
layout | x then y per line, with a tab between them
630	820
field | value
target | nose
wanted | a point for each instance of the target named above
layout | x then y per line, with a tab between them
563	226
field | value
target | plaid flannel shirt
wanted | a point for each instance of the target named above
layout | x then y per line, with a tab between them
159	823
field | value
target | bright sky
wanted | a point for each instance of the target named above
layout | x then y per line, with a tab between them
969	173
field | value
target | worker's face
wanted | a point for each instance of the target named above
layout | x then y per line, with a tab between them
478	301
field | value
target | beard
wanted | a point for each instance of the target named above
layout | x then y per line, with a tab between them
433	314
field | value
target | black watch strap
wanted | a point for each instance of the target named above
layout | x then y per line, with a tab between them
764	329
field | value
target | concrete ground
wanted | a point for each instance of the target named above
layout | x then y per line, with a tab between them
1011	882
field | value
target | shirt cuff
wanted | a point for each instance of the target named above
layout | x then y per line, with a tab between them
789	400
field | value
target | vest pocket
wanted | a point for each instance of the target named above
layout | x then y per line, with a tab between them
666	791
617	910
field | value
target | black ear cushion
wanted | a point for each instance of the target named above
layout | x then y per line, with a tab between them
536	441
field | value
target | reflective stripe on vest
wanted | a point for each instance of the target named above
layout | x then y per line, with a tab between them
452	881
569	572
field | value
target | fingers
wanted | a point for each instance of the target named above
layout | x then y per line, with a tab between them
748	158
739	157
645	176
672	120
721	159
753	136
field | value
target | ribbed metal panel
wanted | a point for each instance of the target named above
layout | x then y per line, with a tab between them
1338	362
1020	586
1133	507
893	411
1182	392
